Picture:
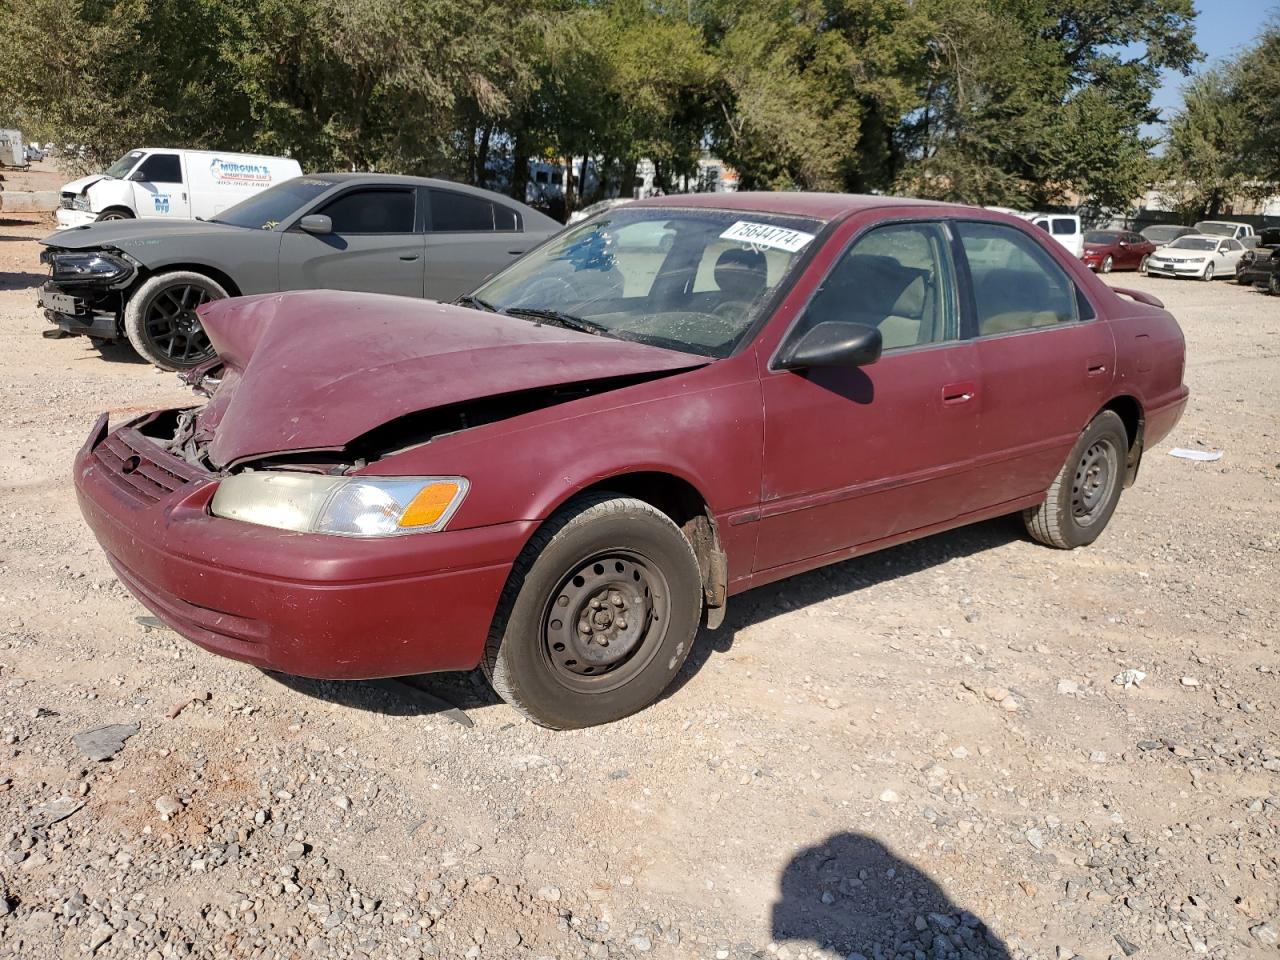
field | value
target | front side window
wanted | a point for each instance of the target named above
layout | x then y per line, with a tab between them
690	280
162	168
896	278
372	211
1017	285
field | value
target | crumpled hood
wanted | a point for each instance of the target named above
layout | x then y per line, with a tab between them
84	183
134	237
314	370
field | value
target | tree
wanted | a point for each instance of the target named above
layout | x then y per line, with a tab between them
1256	78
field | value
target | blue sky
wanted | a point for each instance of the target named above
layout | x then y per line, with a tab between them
1223	28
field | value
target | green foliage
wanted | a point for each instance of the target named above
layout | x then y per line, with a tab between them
1018	102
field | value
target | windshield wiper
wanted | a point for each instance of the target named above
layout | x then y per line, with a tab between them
559	318
476	303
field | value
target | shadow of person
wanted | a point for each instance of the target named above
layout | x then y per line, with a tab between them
851	894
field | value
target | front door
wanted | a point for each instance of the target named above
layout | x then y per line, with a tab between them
375	245
854	455
160	187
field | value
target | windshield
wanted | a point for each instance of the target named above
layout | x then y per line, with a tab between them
690	280
1163	234
268	209
1101	238
1194	243
1216	229
120	169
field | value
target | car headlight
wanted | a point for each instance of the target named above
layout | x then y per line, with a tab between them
88	267
341	506
81	202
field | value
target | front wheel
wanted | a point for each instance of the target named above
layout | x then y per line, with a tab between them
1084	495
1142	267
114	215
1208	273
1107	264
160	319
598	614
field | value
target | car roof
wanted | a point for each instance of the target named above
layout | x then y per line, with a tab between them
817	206
532	217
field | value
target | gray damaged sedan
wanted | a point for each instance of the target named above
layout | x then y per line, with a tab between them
415	237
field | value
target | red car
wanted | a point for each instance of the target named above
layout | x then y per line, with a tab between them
678	400
1107	250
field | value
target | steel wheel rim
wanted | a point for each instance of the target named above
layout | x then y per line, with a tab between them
172	327
1106	265
1095	480
605	621
1208	272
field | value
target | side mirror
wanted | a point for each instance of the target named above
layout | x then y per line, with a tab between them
316	223
833	343
138	176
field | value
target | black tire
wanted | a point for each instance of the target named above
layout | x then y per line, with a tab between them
1273	284
161	323
1142	267
1082	498
1107	264
600	559
116	213
1207	276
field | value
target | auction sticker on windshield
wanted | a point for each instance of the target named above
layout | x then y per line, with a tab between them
767	235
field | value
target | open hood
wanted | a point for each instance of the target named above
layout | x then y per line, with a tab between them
312	371
83	184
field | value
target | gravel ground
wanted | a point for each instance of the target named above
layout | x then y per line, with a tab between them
919	754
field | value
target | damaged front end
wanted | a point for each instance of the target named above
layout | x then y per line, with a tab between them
86	291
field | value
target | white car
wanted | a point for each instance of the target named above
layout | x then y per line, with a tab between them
170	184
1063	227
1198	255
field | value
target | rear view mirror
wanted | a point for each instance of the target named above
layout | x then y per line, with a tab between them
833	343
316	223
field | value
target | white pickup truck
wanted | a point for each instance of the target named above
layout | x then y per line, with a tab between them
168	183
1224	228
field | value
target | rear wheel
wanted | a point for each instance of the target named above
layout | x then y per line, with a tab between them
598	615
161	323
1084	495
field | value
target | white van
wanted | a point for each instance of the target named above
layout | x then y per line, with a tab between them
177	184
1063	227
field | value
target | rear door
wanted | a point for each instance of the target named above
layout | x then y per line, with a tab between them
854	455
376	245
160	186
469	238
1046	363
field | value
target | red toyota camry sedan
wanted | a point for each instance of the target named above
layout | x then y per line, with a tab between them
558	477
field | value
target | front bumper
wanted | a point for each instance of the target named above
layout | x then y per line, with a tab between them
1175	269
305	604
74	218
82	311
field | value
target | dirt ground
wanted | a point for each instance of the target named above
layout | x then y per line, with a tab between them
921	753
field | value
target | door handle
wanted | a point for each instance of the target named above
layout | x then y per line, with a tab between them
1097	366
515	253
957	393
409	257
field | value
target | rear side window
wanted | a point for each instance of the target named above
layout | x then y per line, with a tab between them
372	211
1017	285
1062	227
463	213
896	278
162	168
